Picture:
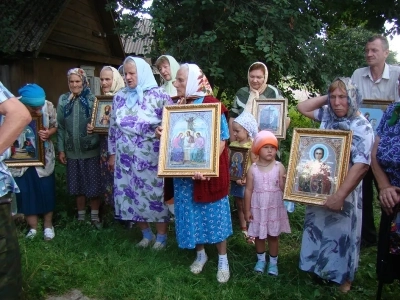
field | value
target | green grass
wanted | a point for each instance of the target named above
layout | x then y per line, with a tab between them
106	265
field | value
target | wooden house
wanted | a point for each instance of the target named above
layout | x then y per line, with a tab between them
51	37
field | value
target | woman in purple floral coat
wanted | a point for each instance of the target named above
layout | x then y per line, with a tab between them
134	149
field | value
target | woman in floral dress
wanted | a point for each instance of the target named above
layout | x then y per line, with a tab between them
133	148
331	238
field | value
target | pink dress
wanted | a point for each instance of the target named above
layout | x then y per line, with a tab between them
269	213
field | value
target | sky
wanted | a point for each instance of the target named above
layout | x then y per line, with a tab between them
394	45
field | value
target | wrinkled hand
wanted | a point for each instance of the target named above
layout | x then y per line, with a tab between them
199	176
248	216
62	158
389	197
158	132
44	134
89	128
111	163
334	202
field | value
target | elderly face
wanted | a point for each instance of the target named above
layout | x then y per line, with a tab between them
338	99
106	79
256	78
375	55
131	76
181	82
165	70
75	84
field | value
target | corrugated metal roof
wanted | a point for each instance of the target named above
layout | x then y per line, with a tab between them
137	45
33	20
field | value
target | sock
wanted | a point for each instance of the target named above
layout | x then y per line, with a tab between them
161	238
147	233
81	215
261	256
223	262
94	215
201	256
273	260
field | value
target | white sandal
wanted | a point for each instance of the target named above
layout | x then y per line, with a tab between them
197	266
223	275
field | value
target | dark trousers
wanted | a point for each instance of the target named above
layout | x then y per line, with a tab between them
368	230
10	258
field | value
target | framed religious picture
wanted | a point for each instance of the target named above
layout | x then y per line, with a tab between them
271	115
101	114
238	160
373	110
28	149
190	140
318	164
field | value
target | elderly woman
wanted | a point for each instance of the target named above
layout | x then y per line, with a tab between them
133	148
168	66
386	168
257	77
111	83
37	184
331	238
202	213
78	150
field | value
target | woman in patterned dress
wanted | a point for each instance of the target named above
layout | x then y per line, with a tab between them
133	148
202	213
331	237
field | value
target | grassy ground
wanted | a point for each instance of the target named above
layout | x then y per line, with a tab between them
106	265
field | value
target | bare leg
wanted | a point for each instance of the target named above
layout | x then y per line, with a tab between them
273	245
260	245
143	225
95	203
239	205
32	221
80	202
345	287
48	220
161	227
221	247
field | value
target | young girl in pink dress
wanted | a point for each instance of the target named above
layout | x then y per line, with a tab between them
264	208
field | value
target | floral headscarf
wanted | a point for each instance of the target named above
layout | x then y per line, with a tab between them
146	81
353	99
174	67
117	80
255	94
83	96
197	83
248	122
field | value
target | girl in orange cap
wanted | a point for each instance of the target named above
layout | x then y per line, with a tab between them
264	208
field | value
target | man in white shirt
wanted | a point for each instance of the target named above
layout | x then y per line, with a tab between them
377	81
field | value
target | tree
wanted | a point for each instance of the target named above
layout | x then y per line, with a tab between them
303	42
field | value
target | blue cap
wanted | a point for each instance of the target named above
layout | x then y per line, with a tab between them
32	95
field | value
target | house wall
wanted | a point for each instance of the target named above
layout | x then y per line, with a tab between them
48	72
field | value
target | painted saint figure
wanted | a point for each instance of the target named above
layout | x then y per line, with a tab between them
198	151
177	148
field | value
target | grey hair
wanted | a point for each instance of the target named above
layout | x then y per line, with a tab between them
385	43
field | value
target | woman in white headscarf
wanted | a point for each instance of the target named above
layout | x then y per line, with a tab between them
258	88
111	82
168	66
133	148
202	213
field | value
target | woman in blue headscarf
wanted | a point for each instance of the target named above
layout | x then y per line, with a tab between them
331	238
37	184
133	148
79	150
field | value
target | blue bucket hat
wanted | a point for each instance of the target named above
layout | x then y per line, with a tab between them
32	95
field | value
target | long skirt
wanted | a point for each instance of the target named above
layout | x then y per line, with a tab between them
38	195
83	177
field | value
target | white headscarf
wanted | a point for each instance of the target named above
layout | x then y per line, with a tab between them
145	78
117	80
197	83
174	67
255	94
